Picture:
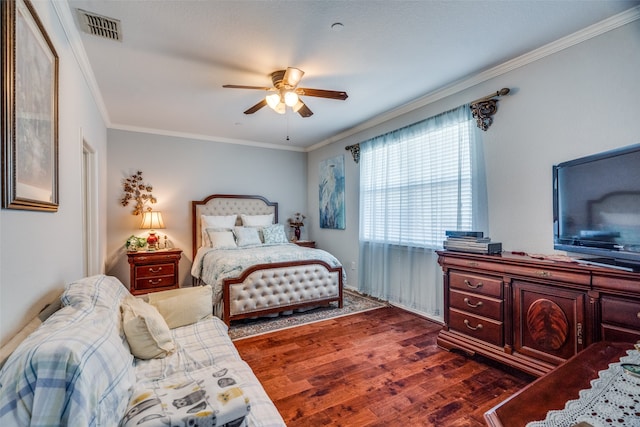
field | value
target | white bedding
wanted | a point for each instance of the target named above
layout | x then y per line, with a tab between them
214	265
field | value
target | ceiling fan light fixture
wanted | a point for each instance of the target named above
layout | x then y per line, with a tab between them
281	108
290	98
273	100
286	93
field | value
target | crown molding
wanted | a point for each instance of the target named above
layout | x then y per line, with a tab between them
209	138
580	36
65	15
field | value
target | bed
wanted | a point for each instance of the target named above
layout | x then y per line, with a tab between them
264	278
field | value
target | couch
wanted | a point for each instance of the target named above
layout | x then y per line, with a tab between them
106	358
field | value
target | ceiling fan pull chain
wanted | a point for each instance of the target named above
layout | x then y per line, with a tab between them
287	125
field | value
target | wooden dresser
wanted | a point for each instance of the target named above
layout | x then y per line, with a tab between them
534	314
153	271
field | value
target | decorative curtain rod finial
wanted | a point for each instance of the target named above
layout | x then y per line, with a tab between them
355	151
484	108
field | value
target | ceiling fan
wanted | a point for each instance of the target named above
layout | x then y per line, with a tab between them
286	93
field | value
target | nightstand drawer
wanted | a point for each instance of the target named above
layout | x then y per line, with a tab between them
155	282
476	304
478	327
154	270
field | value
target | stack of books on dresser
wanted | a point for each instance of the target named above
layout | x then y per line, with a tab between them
471	241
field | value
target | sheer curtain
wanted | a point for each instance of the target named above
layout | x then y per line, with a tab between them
415	183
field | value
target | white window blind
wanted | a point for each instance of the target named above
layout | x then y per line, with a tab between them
416	182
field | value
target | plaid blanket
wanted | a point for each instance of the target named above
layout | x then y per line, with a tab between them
75	369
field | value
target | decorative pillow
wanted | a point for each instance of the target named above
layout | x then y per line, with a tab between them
247	236
274	234
183	306
215	221
256	220
208	397
260	235
146	330
219	239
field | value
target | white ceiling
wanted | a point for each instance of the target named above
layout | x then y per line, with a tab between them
166	75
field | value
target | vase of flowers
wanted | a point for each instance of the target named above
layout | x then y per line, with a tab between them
296	222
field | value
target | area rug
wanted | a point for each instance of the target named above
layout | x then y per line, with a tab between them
353	302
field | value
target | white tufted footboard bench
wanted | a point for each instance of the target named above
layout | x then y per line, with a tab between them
273	288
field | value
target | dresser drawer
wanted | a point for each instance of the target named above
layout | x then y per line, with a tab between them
614	333
154	270
476	304
620	312
481	284
478	327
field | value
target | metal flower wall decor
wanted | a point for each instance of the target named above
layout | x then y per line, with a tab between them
137	191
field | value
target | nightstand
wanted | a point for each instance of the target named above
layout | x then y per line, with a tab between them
305	243
153	271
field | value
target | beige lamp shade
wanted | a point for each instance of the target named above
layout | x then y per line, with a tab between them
152	220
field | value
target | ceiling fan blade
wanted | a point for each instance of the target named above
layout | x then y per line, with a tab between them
321	93
304	111
256	107
292	76
247	87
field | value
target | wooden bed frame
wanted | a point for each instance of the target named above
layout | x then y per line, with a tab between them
266	289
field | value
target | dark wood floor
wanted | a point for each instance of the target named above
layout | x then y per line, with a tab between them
378	368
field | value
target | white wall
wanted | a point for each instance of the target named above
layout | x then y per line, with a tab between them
578	101
41	252
181	170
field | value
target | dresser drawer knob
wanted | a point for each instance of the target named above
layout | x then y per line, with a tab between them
466	322
155	282
471	285
544	273
155	270
476	305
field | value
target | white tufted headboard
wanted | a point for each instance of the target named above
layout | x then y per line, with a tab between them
228	204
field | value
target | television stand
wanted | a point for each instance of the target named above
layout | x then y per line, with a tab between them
534	314
610	263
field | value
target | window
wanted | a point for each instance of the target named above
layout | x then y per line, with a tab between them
417	182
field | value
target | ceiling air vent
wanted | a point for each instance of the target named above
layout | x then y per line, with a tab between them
100	26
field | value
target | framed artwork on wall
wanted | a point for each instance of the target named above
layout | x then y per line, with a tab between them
331	193
29	111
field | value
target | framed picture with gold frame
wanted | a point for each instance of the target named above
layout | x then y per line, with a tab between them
29	111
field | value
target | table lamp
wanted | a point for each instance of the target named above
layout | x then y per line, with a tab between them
152	220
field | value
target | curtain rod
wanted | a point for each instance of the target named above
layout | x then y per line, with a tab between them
501	92
482	109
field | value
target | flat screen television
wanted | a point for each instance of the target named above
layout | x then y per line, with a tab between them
596	207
